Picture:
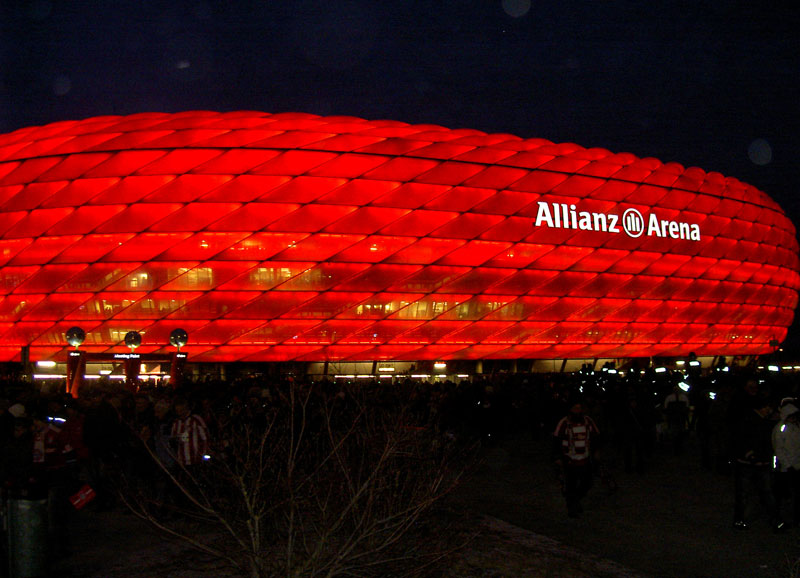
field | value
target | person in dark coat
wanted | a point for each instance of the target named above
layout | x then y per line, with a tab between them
16	459
103	434
751	422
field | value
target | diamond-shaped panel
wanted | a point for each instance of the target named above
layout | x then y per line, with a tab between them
294	236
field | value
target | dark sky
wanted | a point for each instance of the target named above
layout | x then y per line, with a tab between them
708	83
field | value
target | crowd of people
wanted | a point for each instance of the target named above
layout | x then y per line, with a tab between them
746	425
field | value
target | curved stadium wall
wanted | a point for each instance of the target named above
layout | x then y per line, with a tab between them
296	237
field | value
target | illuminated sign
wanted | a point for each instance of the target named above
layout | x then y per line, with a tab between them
127	356
632	223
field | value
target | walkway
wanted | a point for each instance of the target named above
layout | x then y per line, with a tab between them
675	520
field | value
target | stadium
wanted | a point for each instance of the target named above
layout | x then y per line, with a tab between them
376	246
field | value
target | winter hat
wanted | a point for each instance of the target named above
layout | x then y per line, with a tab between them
17	410
788	410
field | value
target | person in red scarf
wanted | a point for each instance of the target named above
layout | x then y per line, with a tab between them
574	439
189	434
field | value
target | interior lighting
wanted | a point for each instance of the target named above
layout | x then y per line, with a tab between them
45	363
440	365
773	368
49	376
661	370
684	386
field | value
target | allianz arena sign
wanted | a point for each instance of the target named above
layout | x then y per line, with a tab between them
632	223
272	237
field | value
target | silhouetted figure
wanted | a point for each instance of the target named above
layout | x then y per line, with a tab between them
751	427
676	410
573	443
104	435
786	445
635	431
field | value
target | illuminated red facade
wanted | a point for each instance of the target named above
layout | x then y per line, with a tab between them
297	237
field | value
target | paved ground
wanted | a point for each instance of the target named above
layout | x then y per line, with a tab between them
673	521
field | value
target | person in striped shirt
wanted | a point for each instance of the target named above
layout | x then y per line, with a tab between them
574	439
189	435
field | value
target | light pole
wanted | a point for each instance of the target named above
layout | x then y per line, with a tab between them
133	362
178	338
76	360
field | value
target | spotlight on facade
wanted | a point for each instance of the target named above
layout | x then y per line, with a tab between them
75	336
133	340
178	338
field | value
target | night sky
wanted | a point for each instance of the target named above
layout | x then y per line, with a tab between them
703	83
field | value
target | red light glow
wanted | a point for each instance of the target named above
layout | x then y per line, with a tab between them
295	237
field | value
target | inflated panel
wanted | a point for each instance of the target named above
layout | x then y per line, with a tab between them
295	237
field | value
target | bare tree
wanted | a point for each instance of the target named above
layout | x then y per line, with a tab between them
319	485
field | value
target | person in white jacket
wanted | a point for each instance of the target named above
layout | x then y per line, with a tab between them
786	445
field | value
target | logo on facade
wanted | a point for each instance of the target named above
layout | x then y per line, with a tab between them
632	223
